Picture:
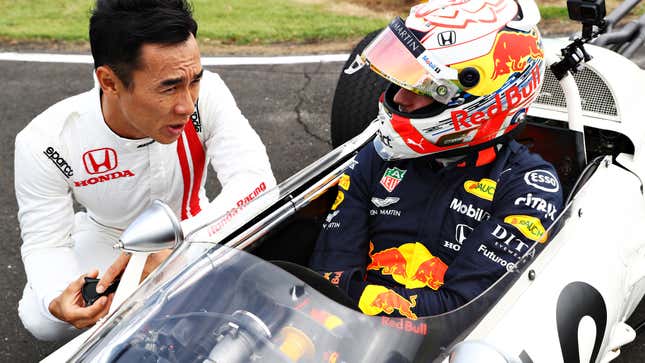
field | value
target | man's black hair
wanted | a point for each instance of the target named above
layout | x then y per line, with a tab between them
119	28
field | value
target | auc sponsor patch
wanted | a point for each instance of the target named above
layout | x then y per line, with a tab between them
484	188
530	227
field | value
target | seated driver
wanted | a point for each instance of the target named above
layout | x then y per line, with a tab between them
443	202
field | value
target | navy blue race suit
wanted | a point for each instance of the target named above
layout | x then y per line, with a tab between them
415	238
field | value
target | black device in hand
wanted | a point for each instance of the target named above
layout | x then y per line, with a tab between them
89	290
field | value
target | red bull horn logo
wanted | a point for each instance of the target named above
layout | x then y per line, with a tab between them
512	50
379	299
410	264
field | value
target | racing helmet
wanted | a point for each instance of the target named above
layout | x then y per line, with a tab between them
481	61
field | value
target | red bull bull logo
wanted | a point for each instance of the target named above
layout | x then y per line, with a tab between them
410	264
512	50
391	261
379	299
429	271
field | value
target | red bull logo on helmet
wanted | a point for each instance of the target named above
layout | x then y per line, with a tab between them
410	265
512	49
504	102
377	299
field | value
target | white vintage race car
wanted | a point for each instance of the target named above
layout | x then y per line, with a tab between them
567	300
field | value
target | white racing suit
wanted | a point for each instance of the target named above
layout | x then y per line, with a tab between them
69	153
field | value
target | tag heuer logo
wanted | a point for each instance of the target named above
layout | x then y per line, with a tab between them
392	178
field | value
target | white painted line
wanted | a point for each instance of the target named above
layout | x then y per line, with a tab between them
207	61
47	58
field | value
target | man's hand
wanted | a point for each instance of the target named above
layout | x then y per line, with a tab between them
117	268
70	307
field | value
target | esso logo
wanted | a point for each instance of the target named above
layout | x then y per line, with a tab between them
543	180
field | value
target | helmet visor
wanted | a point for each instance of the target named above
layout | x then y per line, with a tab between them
398	56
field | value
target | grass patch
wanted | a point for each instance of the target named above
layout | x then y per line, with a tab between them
236	22
45	19
261	22
554	12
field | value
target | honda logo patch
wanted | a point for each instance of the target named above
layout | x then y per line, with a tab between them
100	160
447	38
461	232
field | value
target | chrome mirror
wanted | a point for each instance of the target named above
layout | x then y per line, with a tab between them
156	229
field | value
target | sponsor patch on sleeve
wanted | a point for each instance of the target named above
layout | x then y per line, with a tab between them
530	227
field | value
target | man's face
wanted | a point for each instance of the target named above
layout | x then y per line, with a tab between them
409	101
163	92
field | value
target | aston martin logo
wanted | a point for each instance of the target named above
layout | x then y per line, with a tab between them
381	203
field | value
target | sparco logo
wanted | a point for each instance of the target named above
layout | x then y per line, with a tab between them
100	160
543	180
477	214
194	118
60	163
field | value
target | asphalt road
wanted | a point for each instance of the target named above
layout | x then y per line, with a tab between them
289	106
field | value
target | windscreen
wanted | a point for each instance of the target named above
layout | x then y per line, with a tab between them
230	306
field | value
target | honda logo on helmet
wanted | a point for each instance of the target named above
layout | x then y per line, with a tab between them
100	160
447	38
